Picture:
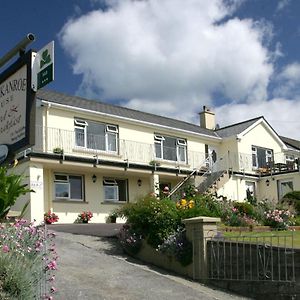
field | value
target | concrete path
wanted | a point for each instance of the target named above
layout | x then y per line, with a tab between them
95	268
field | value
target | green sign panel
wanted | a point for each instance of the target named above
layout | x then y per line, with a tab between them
43	67
45	76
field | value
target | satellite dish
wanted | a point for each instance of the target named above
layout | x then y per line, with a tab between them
3	153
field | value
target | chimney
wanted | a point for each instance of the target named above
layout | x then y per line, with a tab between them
207	119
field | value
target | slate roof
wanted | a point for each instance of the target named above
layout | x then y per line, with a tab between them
291	142
235	129
120	111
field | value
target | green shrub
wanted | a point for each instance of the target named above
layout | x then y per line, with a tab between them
11	188
17	276
152	218
293	198
179	246
244	208
199	205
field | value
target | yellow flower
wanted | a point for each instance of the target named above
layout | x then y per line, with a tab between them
177	204
191	204
183	202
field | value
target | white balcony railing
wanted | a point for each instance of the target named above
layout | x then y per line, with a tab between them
48	139
243	162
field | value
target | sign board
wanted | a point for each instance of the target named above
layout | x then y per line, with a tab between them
17	106
43	67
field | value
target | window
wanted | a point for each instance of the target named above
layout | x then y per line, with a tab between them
69	187
170	148
93	135
284	187
115	190
262	157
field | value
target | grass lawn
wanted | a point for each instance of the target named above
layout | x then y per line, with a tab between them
275	238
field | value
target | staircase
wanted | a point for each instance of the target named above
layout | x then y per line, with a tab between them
210	181
210	177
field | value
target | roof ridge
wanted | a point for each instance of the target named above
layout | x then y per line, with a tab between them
239	123
124	107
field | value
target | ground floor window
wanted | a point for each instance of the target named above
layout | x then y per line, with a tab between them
115	190
69	187
284	187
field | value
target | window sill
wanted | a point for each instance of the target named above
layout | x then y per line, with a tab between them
114	202
69	201
172	163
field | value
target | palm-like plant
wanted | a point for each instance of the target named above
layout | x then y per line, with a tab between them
11	188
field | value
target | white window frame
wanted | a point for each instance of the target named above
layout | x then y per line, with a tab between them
254	152
280	193
67	181
110	129
112	184
180	144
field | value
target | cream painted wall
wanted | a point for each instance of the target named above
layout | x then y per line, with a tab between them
37	207
94	194
229	153
22	169
271	192
259	136
139	138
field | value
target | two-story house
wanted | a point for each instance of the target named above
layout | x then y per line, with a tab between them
95	156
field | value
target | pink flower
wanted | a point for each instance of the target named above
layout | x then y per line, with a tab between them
52	265
53	289
5	249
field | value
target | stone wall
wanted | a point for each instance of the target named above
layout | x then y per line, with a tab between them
150	255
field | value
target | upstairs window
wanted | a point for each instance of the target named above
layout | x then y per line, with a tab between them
170	148
262	157
97	136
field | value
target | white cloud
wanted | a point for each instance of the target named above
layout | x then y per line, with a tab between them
169	56
282	4
288	81
282	114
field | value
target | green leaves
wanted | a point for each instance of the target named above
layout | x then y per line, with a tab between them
46	58
11	188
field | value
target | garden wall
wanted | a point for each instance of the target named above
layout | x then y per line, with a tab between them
150	255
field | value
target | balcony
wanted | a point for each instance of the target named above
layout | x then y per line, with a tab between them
54	140
243	162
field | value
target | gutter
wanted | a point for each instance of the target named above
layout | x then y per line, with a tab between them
99	162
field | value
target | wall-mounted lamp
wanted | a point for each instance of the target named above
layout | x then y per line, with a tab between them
139	182
94	178
267	182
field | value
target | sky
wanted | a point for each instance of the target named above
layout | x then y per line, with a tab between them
241	58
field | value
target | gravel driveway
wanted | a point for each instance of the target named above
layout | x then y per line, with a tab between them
95	268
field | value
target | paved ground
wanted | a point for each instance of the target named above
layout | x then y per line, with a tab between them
94	268
92	229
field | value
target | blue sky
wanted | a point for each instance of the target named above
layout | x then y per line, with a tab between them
171	57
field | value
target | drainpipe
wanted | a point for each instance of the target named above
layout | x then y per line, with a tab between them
46	126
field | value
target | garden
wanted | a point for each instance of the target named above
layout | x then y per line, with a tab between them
28	258
158	221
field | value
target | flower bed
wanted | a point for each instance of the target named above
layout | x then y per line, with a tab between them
27	261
